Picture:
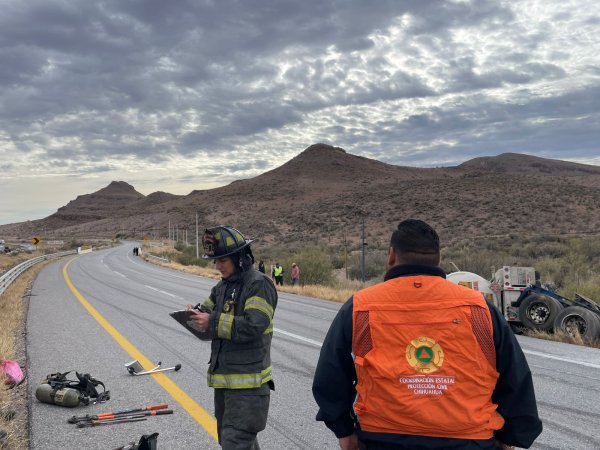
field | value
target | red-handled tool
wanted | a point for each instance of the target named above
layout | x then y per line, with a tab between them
128	418
76	419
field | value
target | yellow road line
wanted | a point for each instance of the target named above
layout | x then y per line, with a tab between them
199	414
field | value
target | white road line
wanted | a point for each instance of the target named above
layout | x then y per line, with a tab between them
300	338
119	273
308	305
165	272
163	292
558	358
530	352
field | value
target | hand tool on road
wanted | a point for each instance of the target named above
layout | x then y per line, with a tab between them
127	418
76	419
135	368
109	422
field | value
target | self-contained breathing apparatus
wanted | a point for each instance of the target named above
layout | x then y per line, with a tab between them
56	389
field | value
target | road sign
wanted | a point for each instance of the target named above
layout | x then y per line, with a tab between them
35	240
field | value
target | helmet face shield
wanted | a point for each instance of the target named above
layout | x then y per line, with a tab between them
222	241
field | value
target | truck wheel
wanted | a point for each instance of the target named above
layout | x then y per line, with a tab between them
538	312
576	320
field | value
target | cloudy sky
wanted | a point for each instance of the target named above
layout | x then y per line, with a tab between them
182	95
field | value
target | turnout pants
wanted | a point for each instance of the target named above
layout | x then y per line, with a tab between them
241	414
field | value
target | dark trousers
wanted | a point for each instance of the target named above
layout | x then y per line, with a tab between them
424	443
241	414
279	280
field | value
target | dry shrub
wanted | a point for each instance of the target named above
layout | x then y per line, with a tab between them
323	292
9	261
315	265
589	288
560	336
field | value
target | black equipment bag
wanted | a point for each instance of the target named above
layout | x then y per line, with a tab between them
147	442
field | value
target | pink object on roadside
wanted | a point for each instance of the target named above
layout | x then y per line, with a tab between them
12	371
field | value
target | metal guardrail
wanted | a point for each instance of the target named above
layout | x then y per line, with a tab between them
157	257
11	275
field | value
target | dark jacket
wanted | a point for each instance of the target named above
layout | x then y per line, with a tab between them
335	376
241	327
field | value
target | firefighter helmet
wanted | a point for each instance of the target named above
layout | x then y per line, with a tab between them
223	241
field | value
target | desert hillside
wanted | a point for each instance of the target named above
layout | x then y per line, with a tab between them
323	194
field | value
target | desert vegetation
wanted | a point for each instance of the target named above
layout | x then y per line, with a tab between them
571	264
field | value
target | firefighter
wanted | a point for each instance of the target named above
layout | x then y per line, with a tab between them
420	362
238	319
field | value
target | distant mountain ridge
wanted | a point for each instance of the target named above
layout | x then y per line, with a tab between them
99	204
515	162
322	194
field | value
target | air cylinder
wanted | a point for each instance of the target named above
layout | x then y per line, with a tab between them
63	397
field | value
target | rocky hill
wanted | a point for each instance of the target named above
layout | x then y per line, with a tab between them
323	194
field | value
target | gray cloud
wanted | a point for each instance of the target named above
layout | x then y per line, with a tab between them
117	89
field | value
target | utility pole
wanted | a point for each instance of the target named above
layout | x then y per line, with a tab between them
197	250
345	256
362	259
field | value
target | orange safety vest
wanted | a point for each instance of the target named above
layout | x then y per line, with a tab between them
425	359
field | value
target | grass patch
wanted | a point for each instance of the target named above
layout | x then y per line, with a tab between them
323	292
7	262
560	336
12	346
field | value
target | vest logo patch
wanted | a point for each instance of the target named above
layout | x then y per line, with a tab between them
424	355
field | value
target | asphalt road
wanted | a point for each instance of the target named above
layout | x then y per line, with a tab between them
97	312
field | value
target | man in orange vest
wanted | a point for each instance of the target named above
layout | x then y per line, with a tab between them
418	362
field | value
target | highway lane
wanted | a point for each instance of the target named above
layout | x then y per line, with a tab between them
135	297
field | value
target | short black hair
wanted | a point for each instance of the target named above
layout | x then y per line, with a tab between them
417	242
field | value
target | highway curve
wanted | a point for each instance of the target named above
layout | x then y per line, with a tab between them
96	312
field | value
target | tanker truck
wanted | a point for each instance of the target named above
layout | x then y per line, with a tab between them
525	304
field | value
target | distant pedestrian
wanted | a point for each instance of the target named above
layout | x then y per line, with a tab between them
295	274
261	266
277	273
